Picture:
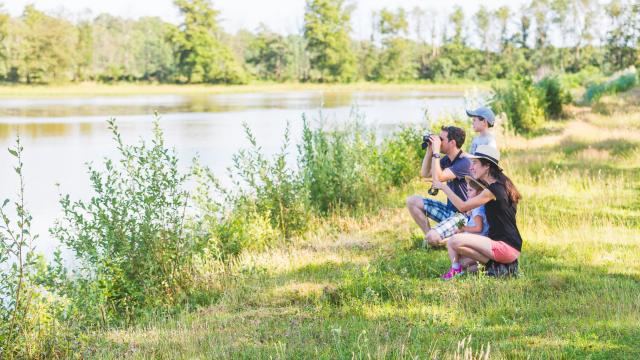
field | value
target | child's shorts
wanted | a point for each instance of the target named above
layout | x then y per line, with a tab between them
447	227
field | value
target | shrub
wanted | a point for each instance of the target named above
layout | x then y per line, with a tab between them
29	314
553	96
129	239
339	167
620	84
521	103
401	155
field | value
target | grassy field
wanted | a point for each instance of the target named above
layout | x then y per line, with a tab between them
363	288
98	89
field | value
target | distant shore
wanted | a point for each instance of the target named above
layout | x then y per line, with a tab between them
99	89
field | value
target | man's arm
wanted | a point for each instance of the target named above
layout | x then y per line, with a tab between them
437	172
425	170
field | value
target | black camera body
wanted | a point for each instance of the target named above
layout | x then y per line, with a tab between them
426	139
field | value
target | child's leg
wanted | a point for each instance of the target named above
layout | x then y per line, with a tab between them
453	255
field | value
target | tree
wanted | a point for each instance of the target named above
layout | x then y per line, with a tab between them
84	51
522	37
47	47
269	53
624	34
396	63
4	33
503	14
482	22
200	55
326	29
153	53
541	13
457	19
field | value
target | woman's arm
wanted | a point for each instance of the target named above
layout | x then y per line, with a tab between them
474	229
484	197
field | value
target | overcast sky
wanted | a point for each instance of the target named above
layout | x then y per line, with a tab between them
283	16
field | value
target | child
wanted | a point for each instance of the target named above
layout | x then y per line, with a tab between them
476	224
483	119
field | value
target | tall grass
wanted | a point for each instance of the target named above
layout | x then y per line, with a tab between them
341	169
285	283
371	292
30	316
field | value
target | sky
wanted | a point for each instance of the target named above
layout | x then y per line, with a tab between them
283	16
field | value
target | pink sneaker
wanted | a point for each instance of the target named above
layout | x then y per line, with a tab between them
452	273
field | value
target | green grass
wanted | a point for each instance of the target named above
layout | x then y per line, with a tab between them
120	89
363	288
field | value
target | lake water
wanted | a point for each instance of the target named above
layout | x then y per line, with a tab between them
60	135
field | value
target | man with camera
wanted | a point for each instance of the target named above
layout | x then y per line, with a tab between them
443	160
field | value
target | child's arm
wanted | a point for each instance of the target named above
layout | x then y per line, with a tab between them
477	229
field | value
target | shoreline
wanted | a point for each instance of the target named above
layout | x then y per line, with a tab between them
126	89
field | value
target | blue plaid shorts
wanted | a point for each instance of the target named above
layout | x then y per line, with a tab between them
448	220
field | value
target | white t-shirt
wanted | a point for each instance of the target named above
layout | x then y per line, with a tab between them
487	139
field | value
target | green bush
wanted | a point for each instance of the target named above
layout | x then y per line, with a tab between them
553	96
129	239
620	84
401	155
521	101
339	167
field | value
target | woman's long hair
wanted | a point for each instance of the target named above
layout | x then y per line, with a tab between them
496	173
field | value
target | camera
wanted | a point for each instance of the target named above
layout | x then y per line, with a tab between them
426	139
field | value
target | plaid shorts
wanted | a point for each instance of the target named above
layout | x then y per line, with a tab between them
447	219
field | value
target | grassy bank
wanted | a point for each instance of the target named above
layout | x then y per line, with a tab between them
98	89
364	289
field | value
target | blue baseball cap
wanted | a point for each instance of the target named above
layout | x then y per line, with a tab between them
485	113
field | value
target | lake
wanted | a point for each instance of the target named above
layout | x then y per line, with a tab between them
60	135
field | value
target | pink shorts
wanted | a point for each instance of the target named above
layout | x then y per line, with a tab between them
503	252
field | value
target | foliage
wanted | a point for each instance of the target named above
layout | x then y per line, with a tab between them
44	48
326	30
129	239
42	60
521	102
200	56
270	54
29	314
399	154
553	96
339	167
622	83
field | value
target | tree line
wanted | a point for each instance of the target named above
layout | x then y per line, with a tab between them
404	45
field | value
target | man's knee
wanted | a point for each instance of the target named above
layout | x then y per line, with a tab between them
433	238
414	201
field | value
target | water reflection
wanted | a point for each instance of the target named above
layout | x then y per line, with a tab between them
135	105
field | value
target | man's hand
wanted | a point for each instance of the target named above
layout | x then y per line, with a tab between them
437	183
435	143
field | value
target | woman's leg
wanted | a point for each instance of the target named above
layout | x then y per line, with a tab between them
476	247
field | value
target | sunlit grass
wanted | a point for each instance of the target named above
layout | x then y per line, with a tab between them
361	288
